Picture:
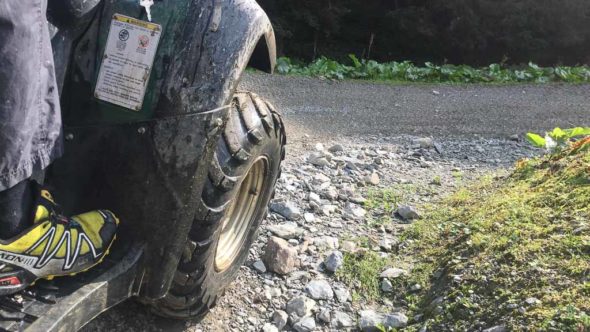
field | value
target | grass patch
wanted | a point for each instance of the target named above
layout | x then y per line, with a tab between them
360	273
431	73
511	251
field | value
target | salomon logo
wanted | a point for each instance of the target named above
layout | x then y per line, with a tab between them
14	258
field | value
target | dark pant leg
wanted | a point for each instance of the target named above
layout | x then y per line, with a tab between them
30	120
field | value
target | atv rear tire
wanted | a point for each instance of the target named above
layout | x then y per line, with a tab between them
241	182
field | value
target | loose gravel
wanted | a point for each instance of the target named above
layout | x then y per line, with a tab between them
334	163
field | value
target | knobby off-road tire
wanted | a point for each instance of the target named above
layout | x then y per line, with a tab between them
241	181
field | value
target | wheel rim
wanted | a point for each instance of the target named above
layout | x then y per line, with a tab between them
240	214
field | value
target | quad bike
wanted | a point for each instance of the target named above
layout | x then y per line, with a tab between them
189	168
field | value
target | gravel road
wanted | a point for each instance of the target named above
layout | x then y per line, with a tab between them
407	135
327	108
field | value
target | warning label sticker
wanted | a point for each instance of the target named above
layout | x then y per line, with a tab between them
127	61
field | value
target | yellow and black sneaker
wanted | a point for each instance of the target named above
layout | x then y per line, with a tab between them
55	245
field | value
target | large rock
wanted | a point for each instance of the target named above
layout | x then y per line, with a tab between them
392	273
353	212
306	324
326	242
341	320
370	321
395	320
425	143
372	179
279	319
319	158
286	209
319	289
325	315
336	148
408	212
268	327
301	306
286	231
386	286
342	294
279	256
334	261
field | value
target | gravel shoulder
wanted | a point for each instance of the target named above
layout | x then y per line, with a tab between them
426	140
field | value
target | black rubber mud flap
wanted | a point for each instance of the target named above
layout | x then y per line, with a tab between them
68	303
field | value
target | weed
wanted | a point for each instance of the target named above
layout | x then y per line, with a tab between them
408	72
361	273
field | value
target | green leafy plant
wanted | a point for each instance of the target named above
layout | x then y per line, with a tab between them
406	71
557	138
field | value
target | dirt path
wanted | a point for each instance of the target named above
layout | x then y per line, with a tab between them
376	125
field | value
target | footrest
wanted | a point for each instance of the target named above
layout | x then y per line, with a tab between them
68	303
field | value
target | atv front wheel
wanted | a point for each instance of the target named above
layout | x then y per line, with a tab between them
241	182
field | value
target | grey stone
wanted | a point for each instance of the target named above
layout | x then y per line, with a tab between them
342	294
334	261
497	328
326	242
372	179
325	315
532	301
286	209
259	266
348	246
370	321
392	273
341	320
313	197
425	142
319	289
386	245
318	159
321	178
514	138
408	212
306	324
300	306
330	193
279	256
309	217
416	287
438	147
353	212
279	319
268	327
395	320
286	231
386	286
336	148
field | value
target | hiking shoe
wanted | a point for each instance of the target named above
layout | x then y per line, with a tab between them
55	245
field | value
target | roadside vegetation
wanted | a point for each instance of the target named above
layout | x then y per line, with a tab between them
511	251
430	73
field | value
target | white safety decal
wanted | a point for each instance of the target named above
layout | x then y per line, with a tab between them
127	62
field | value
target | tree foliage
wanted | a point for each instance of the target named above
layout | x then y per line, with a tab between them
474	32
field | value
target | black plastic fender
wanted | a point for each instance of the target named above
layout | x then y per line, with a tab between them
204	75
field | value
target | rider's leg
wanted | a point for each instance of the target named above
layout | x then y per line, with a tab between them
16	206
36	240
30	121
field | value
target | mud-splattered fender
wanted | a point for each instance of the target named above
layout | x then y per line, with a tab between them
203	74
